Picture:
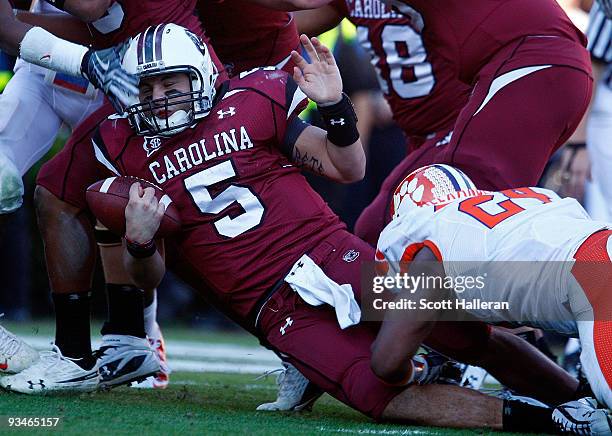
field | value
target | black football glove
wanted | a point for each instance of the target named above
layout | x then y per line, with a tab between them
103	69
606	7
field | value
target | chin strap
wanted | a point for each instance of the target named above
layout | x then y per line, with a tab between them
176	119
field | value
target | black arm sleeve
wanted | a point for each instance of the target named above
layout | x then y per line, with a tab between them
294	129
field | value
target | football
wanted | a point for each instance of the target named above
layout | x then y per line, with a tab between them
108	198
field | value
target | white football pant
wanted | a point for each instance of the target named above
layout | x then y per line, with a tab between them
32	109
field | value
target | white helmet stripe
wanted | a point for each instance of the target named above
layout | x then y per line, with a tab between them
148	44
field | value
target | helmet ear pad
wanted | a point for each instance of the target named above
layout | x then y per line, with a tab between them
165	49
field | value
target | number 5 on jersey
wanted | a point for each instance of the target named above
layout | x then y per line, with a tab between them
197	185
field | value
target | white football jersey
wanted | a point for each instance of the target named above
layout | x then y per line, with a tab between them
500	235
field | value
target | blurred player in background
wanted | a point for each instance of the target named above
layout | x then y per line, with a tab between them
38	46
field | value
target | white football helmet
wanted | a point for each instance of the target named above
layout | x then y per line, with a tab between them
430	183
165	49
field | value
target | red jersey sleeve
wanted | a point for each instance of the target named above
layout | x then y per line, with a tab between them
286	98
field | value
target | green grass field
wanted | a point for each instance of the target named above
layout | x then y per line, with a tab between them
194	403
198	404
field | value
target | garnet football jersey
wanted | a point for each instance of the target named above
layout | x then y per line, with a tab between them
247	212
247	35
422	88
469	32
516	239
125	19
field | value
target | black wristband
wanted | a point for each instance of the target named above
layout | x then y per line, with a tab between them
141	251
341	122
57	3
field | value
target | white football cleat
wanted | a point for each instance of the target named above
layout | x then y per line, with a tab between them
52	373
295	392
15	354
162	378
123	359
582	417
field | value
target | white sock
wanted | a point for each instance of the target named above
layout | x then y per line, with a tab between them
150	317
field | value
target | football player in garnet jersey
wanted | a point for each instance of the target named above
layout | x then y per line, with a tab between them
263	246
563	287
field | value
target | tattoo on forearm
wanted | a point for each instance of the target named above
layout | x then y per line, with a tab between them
304	160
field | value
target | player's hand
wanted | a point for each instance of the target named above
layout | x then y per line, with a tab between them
320	79
103	69
606	6
143	214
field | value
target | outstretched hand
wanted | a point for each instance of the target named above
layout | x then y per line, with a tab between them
320	79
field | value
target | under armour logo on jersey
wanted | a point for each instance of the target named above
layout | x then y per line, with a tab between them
230	112
350	256
151	144
334	122
39	383
288	323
